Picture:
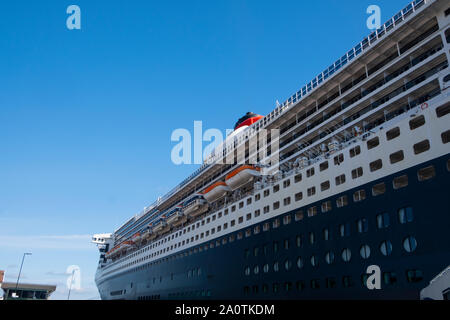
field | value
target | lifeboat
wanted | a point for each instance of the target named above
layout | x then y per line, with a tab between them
159	225
216	191
136	237
195	206
174	215
241	176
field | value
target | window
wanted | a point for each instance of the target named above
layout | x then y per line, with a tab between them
276	223
373	143
346	255
257	213
287	201
442	111
266	209
359	195
276	205
426	173
445	136
312	211
339	159
299	215
389	278
376	165
300	285
417	122
383	220
326	206
276	188
414	276
347	281
299	196
386	248
326	234
323	166
286	183
357	173
362	225
311	238
241	205
355	151
331	283
248	217
266	268
341	201
241	219
257	197
378	189
315	284
410	244
287	265
421	147
287	219
298	178
249	201
311	191
393	133
325	186
405	215
299	263
298	241
310	172
329	257
314	261
400	182
340	179
247	271
286	244
344	230
276	267
266	193
365	251
396	157
256	270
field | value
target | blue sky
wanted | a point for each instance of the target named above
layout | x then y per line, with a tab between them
87	115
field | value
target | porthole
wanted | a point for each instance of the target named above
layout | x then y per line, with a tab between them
410	244
276	267
299	263
329	257
256	270
365	251
386	248
287	265
314	261
346	255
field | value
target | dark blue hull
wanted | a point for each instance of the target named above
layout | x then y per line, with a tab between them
220	272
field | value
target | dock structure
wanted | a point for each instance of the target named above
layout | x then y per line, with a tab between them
25	291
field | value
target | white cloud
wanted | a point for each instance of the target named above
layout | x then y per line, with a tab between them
66	242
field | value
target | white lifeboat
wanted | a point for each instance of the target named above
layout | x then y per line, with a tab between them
159	225
195	206
174	215
241	176
216	191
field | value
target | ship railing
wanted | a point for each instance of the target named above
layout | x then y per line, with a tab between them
306	90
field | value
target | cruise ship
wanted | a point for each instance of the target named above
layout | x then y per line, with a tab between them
351	172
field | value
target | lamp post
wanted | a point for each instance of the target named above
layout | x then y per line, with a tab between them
20	271
71	281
